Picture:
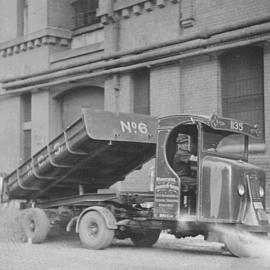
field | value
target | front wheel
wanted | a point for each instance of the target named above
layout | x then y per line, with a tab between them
243	244
93	231
145	238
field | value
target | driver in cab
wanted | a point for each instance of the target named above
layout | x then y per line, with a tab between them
183	155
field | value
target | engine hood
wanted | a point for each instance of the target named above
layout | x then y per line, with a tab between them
220	180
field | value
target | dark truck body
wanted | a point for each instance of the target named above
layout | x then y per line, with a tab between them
96	151
102	148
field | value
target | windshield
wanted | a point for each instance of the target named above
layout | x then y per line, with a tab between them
224	142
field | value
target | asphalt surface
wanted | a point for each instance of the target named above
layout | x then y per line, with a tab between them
64	251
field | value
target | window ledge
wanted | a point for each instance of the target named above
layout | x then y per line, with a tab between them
78	52
86	29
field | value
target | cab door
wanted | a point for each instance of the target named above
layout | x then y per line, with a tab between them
167	183
170	196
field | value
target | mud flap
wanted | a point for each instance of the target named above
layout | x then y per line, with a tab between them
104	212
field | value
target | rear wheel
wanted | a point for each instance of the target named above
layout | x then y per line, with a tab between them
145	238
35	225
93	231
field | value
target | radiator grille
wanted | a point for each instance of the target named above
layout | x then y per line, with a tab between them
254	187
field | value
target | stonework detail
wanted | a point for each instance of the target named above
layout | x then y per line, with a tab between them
34	41
187	13
127	9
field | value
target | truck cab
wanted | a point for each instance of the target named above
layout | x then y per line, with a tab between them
221	186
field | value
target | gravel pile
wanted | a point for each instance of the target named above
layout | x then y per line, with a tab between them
10	225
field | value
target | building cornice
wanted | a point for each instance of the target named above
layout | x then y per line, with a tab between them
125	8
126	64
50	35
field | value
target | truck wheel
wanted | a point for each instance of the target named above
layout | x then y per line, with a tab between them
35	224
145	238
93	231
241	243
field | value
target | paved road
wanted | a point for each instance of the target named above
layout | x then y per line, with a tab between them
66	253
168	253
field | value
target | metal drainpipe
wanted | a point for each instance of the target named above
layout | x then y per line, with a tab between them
114	49
136	66
201	34
176	49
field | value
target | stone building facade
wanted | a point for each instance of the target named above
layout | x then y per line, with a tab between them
157	57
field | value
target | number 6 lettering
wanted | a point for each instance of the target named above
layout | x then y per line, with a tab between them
142	127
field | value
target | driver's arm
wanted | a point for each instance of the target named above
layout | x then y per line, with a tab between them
193	158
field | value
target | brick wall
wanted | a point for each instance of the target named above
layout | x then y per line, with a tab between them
110	99
40	120
164	90
126	93
60	14
10	133
8	20
214	13
27	60
161	24
37	15
200	85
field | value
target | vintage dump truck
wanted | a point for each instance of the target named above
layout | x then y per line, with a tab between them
62	182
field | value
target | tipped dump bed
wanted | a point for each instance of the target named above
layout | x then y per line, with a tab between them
96	151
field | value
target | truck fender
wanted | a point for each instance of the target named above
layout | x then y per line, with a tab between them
104	212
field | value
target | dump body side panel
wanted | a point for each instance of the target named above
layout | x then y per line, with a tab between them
96	151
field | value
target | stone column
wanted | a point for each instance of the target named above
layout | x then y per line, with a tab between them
40	119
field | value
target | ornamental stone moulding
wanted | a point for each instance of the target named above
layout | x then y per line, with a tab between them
49	36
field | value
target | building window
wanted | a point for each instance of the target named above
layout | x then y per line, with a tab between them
242	85
85	12
141	96
26	101
27	107
22	23
25	17
27	144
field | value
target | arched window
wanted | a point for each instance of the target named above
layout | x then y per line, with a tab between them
242	85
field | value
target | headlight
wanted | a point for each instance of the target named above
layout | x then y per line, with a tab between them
241	190
261	192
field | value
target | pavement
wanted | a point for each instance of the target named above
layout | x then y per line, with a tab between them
64	251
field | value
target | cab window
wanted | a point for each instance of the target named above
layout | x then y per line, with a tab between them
224	143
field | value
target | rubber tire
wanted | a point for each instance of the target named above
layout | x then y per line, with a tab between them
35	224
241	243
145	238
100	239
